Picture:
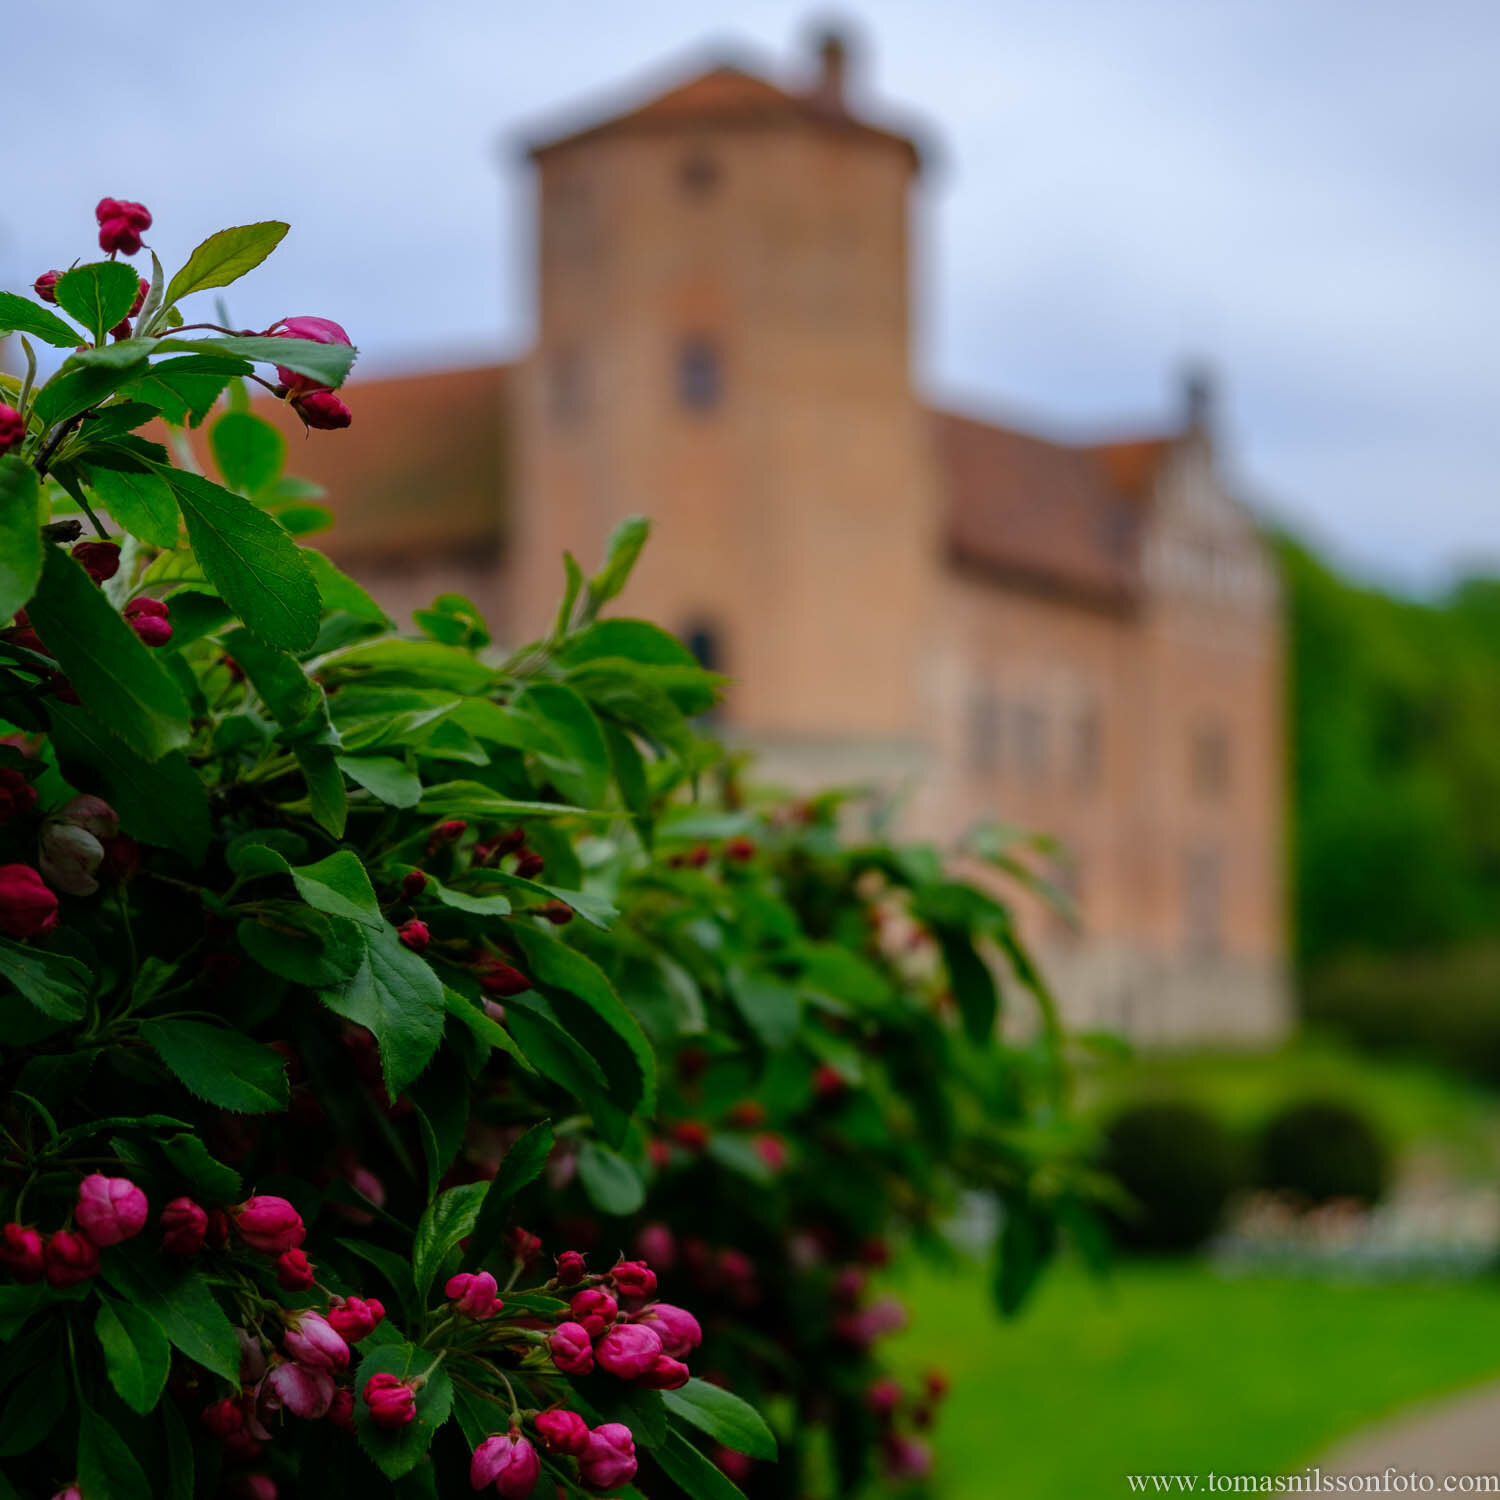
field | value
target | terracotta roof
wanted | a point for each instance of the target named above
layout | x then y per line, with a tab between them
1041	514
423	467
1132	465
730	97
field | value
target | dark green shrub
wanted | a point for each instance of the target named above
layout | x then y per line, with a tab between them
1321	1149
1179	1165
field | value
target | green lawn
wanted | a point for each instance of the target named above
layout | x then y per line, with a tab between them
1168	1368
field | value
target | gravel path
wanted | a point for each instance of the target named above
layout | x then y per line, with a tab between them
1458	1436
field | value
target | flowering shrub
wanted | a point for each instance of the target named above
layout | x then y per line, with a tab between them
412	1073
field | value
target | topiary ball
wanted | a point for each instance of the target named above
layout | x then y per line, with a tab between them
1320	1150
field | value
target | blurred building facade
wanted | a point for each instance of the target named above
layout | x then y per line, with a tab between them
1076	636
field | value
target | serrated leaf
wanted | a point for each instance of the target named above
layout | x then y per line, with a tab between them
17	315
248	450
399	1451
520	1165
20	534
579	761
338	884
302	945
54	983
449	1218
224	257
385	778
251	561
113	673
184	390
181	1303
206	1176
223	1066
75	390
396	996
613	1186
140	502
98	294
725	1417
328	364
137	1355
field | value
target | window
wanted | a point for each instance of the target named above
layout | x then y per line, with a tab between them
703	640
1031	740
698	175
567	387
984	733
1209	770
1203	901
699	380
1088	750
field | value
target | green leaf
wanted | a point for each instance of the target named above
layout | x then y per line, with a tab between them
287	691
621	551
397	997
338	885
449	1218
136	1353
98	295
224	1067
725	1417
76	389
181	1303
688	1467
184	389
340	591
633	640
579	762
252	562
302	945
106	1464
159	802
385	778
772	1010
328	364
248	450
17	315
612	1184
140	502
33	1408
422	664
114	674
205	1175
1027	1243
472	799
399	1451
225	257
485	1029
20	534
179	1450
54	983
520	1165
973	983
327	796
630	776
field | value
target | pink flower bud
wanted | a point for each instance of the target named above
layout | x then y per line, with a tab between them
391	1401
142	291
905	1457
322	410
509	1463
69	1259
72	1492
526	1246
100	560
657	1245
253	1487
304	1390
223	1417
149	619
883	1397
45	286
772	1151
122	858
628	1350
558	913
562	1431
572	1350
678	1330
740	850
634	1279
473	1294
295	1271
665	1374
17	795
27	907
341	1411
446	833
69	857
828	1082
268	1224
570	1268
318	331
356	1318
530	864
312	1341
609	1459
21	1252
413	883
414	935
121	224
110	1209
12	428
594	1308
499	978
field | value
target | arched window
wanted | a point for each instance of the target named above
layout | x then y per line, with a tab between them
699	379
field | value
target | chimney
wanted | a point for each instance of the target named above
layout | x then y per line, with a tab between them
1198	399
833	67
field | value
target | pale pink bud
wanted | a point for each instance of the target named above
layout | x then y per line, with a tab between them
509	1463
302	1389
110	1209
609	1459
628	1350
268	1224
572	1350
311	1340
678	1329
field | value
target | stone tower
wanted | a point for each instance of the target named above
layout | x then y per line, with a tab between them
724	344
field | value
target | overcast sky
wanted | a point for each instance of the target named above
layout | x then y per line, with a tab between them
1301	191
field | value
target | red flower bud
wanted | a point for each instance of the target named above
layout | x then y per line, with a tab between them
594	1308
318	331
295	1271
772	1151
634	1278
268	1224
828	1082
12	428
665	1374
391	1401
446	833
526	1246
109	1209
121	224
499	978
558	913
27	907
17	795
415	935
530	864
100	560
628	1350
562	1431
509	1463
323	410
570	1268
356	1318
45	286
748	1113
21	1252
473	1294
691	1135
223	1417
152	629
679	1331
609	1459
184	1227
122	858
572	1349
412	885
740	850
341	1411
142	291
121	330
68	1259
